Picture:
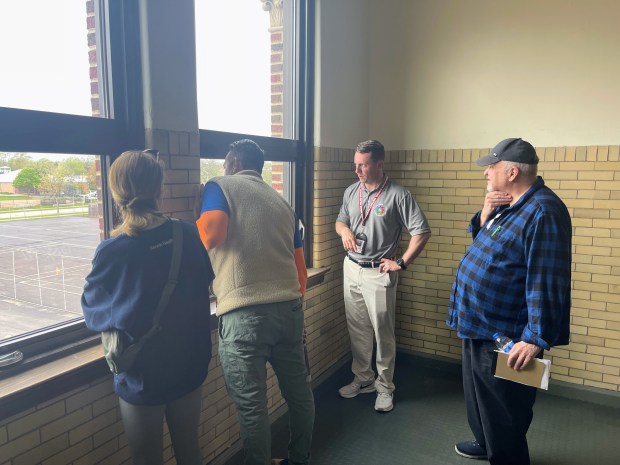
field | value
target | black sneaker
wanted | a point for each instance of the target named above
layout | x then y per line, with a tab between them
471	450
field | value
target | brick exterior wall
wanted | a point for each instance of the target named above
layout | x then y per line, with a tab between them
276	40
277	80
92	57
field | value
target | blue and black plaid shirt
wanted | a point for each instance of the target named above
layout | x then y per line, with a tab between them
515	277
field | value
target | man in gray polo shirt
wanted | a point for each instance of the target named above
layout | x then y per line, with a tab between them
373	213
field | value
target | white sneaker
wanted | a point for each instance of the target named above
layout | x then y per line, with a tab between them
351	390
384	402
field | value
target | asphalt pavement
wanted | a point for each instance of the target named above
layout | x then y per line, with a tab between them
43	263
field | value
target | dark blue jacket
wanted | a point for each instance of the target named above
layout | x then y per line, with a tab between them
122	292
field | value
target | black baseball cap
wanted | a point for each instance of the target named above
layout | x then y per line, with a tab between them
513	149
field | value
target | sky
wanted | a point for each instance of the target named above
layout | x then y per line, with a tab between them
235	94
45	67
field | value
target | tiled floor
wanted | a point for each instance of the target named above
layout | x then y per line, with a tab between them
429	417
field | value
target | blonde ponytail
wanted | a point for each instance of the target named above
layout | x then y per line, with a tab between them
136	180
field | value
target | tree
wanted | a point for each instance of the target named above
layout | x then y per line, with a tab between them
62	176
4	158
210	168
267	172
44	166
54	181
56	176
74	171
28	178
73	166
20	161
91	176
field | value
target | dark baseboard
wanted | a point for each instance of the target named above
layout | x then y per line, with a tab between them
583	393
556	388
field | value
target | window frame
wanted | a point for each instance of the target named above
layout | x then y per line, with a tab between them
298	151
23	130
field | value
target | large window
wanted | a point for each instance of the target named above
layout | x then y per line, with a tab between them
84	106
44	66
49	228
233	50
64	110
253	61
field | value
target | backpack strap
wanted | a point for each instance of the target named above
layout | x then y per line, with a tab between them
175	265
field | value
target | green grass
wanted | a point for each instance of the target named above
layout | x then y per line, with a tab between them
42	207
3	220
14	197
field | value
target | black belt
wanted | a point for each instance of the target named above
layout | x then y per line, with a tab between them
365	263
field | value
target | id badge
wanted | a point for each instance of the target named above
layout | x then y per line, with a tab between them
360	241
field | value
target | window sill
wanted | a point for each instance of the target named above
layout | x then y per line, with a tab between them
316	276
39	384
42	383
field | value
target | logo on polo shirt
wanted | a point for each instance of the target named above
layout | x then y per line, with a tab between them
380	210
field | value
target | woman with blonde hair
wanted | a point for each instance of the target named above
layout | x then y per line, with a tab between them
121	294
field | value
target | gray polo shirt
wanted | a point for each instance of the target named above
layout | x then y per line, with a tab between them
393	210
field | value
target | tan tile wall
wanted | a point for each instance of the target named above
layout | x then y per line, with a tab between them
81	427
178	152
84	426
326	323
450	189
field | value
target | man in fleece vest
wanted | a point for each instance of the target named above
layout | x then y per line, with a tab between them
251	235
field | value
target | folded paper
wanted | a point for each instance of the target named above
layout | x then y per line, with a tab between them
535	374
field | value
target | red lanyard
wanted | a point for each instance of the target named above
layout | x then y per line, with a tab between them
367	214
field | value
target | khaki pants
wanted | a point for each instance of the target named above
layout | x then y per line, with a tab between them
370	307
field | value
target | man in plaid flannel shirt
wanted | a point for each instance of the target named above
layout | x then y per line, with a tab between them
515	280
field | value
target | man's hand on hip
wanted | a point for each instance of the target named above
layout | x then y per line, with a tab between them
388	265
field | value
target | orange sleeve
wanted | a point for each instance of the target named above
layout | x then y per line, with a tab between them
213	228
302	272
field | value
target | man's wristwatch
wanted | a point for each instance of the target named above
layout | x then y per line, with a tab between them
400	262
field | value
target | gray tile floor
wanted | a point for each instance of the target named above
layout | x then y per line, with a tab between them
429	417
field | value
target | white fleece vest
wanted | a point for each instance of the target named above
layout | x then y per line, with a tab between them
256	263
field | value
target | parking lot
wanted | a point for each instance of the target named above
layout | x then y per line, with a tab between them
43	263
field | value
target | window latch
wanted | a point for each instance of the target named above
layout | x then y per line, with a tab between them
11	359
